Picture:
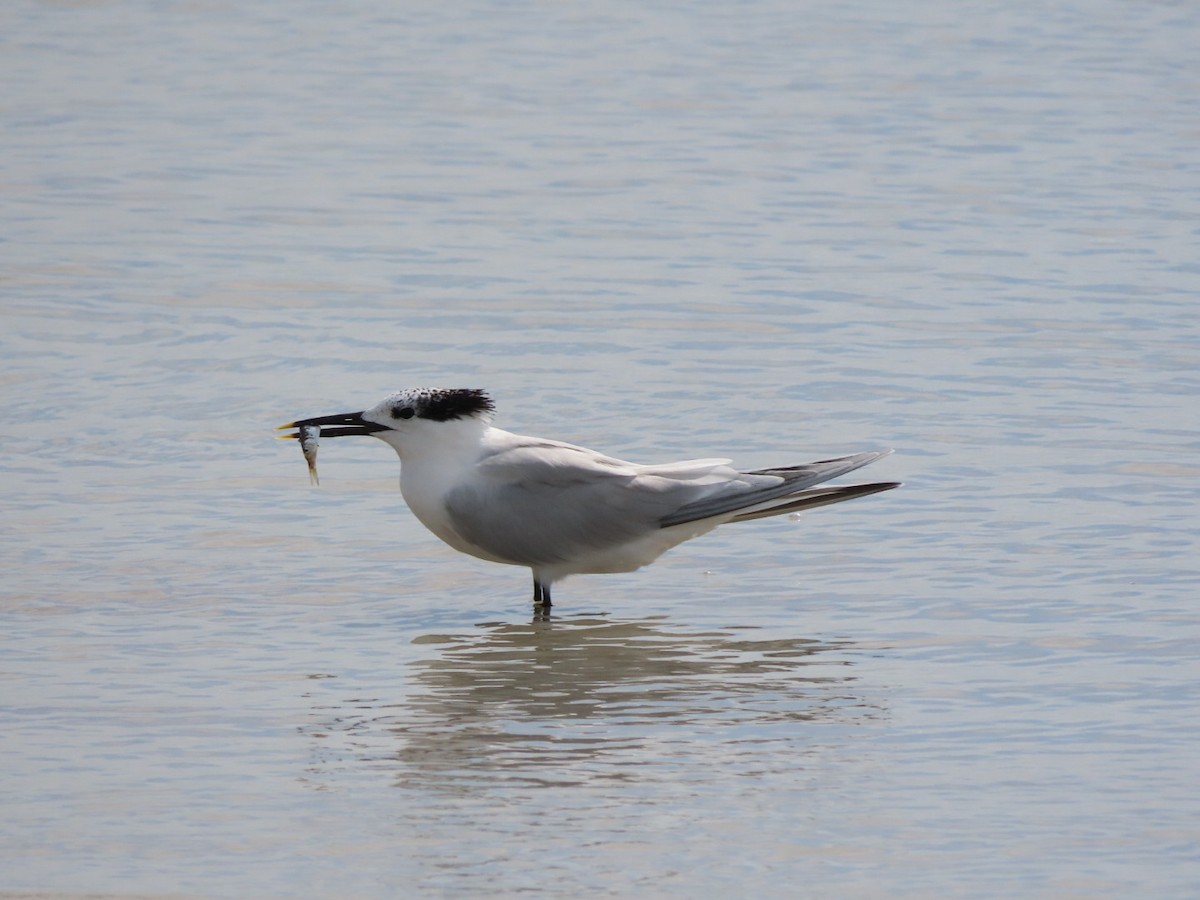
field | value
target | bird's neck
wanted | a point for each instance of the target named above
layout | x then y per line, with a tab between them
456	442
432	467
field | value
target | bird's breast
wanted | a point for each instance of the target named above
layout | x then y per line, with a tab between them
425	492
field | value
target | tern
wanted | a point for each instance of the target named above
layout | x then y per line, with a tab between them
557	508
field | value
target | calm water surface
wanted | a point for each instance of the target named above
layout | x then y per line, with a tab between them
967	232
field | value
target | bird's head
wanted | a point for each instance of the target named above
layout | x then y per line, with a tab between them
408	419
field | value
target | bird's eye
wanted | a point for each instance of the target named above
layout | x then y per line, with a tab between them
402	412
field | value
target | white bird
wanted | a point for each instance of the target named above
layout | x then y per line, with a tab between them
561	509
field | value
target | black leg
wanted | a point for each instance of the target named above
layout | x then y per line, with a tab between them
541	595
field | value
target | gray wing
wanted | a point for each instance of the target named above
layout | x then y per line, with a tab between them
543	502
538	502
792	480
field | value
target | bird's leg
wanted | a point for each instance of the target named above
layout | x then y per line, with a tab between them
541	595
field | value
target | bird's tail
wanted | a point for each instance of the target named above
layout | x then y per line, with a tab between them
785	484
815	497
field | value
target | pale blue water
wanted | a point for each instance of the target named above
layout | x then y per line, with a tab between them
768	231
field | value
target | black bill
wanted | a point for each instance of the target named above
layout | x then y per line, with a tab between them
341	425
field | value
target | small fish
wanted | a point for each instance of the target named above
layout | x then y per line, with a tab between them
310	440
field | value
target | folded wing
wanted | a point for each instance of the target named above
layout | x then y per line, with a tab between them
540	503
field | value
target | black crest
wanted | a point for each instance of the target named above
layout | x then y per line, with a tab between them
453	403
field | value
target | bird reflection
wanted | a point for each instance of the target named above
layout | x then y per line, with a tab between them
576	699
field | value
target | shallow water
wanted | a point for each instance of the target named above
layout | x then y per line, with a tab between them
964	232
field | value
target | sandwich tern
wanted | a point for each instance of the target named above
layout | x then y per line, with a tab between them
557	508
